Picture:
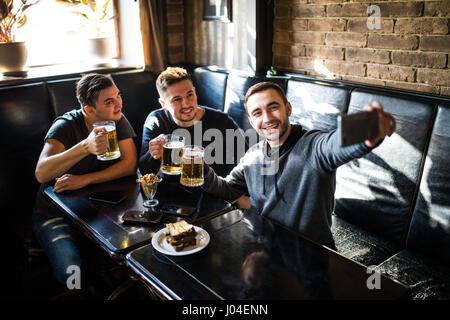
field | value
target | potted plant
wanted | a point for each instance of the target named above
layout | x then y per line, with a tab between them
94	14
13	55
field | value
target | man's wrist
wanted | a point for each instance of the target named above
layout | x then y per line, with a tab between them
373	144
89	178
85	147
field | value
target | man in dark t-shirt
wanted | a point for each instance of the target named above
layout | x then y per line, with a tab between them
69	161
180	114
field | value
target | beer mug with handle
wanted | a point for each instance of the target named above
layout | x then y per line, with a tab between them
113	144
171	155
192	166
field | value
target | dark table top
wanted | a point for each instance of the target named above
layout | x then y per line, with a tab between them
249	257
104	222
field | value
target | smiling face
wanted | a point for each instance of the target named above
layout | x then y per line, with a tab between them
269	116
108	105
181	101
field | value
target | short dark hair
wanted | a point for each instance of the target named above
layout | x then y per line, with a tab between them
89	87
169	77
263	86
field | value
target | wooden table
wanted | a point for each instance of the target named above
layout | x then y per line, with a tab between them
104	224
249	257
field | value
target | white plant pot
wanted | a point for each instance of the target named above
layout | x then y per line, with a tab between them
100	48
13	56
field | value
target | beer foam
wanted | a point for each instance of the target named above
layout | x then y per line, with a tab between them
173	144
109	128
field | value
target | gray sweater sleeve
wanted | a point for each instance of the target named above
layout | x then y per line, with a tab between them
229	188
329	154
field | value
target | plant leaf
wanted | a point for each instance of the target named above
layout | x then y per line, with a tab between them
84	15
22	21
105	6
69	2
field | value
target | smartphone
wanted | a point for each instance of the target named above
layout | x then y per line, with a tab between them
137	217
178	210
358	127
110	197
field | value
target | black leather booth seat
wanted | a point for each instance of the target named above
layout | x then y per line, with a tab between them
210	87
377	191
430	225
317	105
428	278
425	263
139	97
62	95
25	115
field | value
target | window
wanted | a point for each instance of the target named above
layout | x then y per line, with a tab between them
57	33
217	10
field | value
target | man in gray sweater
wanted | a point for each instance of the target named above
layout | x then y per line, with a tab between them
290	176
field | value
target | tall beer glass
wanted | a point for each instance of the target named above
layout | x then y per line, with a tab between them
192	166
113	145
171	155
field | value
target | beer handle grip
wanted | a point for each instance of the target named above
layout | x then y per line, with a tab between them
100	133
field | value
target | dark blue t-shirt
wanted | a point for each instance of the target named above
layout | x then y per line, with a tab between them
223	141
70	129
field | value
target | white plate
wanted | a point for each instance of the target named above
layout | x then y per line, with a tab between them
160	244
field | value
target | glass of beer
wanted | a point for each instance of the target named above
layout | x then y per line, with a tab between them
171	155
113	145
192	166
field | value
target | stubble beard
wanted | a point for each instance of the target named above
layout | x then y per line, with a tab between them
195	112
283	127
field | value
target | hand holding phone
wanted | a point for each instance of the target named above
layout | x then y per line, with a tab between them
370	126
358	127
386	123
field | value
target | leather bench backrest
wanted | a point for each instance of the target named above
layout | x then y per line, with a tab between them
430	225
139	98
25	117
316	106
237	86
377	191
63	95
210	87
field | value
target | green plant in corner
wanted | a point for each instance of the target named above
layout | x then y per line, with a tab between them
94	14
11	20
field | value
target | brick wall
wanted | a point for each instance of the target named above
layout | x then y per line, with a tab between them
175	31
332	39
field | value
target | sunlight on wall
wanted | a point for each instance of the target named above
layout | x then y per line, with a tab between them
320	68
